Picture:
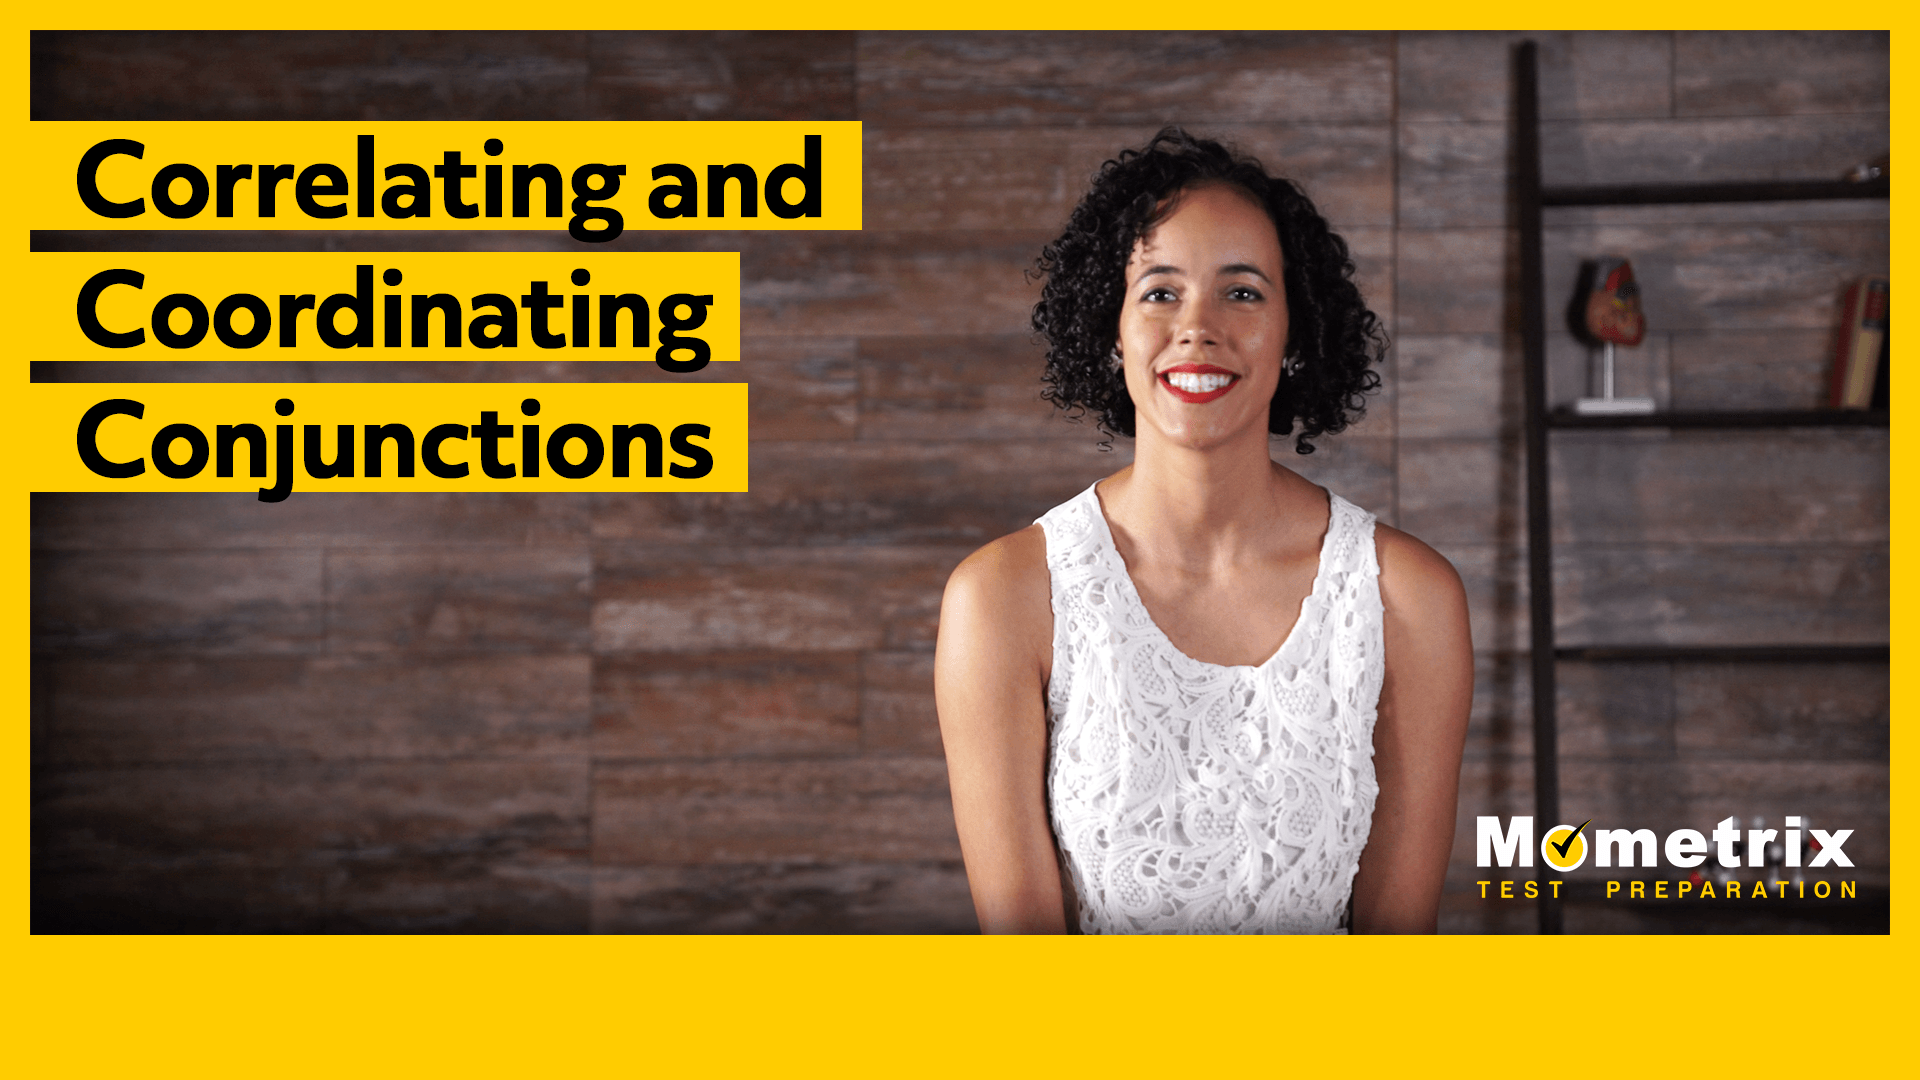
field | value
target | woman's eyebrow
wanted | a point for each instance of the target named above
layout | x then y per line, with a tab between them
1246	268
1163	268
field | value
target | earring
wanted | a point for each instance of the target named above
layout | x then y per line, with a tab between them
1116	359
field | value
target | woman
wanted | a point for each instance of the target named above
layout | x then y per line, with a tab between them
1206	694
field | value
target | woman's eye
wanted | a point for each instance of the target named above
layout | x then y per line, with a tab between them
1159	294
1243	292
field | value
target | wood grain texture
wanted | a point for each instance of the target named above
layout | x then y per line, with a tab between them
1616	713
940	388
853	283
1495	579
1780	369
525	806
1463	491
209	522
1031	177
1358	469
725	705
1010	79
429	75
801	599
721	75
1500	725
1457	385
1701	712
897	715
1725	594
1456	174
264	75
1458	281
205	602
1453	175
372	891
1762	213
877	492
1702	150
1805	486
784	898
117	712
1466	75
452	600
368	846
1824	712
124	371
1728	73
852	810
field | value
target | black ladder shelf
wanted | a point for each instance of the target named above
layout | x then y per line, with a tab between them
1533	198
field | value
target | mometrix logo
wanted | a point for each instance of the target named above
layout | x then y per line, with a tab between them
1565	847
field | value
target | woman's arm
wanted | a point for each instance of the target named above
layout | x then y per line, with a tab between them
990	673
1416	740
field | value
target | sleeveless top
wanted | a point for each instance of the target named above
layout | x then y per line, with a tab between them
1191	797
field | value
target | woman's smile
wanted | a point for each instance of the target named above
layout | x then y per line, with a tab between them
1198	383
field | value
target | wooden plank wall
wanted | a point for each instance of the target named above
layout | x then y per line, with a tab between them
1686	538
713	712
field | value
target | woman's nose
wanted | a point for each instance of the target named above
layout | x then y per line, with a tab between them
1196	324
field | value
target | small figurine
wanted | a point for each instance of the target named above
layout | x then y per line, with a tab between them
1610	316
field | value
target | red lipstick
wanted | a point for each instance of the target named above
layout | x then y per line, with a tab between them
1200	375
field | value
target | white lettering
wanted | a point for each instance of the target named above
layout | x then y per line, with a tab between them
1489	843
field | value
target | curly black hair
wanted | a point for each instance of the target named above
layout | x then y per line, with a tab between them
1333	338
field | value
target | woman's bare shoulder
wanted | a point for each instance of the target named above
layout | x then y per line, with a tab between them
996	625
1005	582
1416	580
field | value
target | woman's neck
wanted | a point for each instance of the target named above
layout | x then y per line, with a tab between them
1207	502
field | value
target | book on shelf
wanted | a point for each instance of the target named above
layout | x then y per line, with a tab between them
1860	355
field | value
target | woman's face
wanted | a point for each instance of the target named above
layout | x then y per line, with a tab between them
1205	319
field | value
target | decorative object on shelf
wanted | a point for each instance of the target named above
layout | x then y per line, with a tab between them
1607	313
1860	352
1868	170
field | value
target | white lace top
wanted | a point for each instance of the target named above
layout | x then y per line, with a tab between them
1191	797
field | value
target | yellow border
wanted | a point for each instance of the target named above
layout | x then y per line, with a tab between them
135	1006
929	1006
979	15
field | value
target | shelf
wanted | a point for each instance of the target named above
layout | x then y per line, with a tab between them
1532	198
1782	418
1667	194
1725	654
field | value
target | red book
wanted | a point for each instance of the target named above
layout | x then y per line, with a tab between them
1857	355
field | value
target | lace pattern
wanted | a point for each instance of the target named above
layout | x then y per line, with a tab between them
1191	797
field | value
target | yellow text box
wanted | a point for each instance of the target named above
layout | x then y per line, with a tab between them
678	309
295	437
594	179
